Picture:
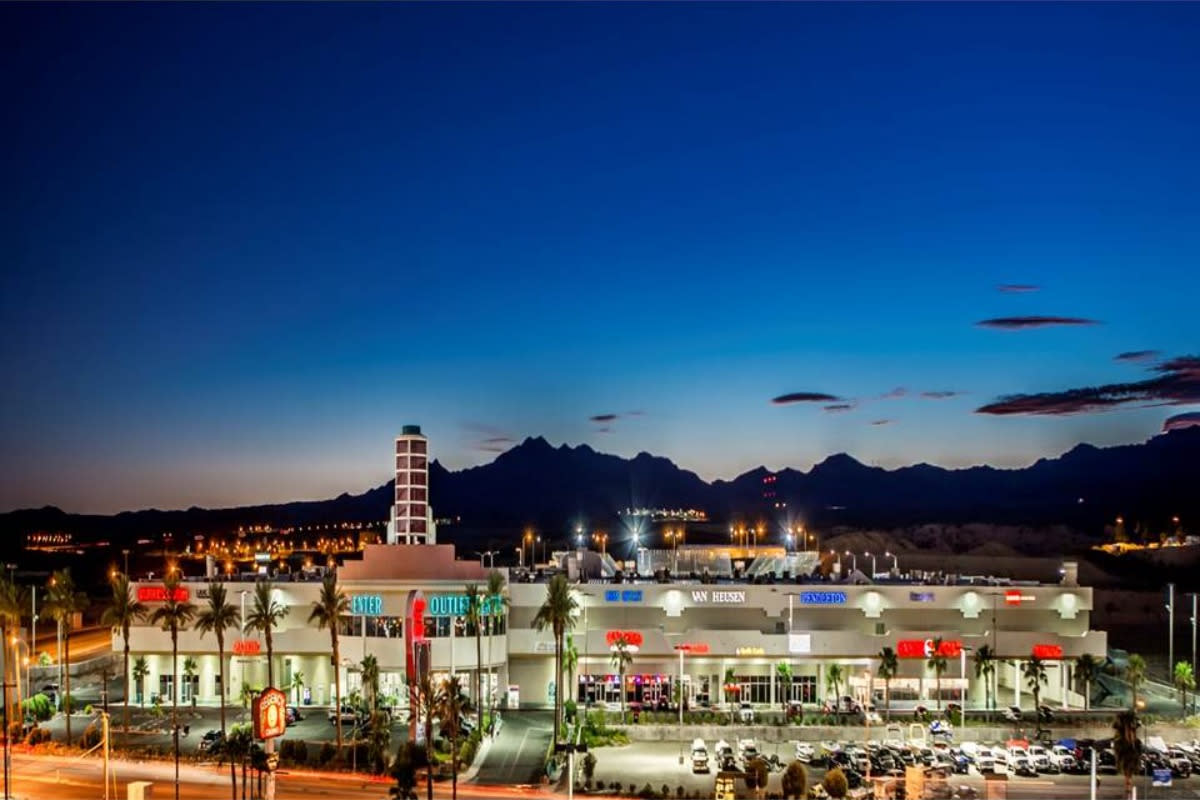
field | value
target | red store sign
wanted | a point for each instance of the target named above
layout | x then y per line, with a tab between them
923	648
1047	652
246	647
632	638
692	648
158	594
270	714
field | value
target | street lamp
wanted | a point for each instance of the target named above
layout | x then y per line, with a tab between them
873	568
895	563
853	560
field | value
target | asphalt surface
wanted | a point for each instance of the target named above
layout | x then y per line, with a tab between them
657	763
517	755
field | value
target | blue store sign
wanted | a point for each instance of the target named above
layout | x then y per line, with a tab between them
823	598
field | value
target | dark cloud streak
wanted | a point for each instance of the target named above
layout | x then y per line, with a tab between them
804	397
1137	355
1018	323
1017	288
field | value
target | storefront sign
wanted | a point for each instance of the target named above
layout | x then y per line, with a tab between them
921	597
246	647
632	638
923	648
270	714
1015	598
1047	652
823	598
626	596
366	605
692	648
456	605
724	598
750	651
158	594
800	643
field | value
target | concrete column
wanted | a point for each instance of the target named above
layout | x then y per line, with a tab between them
774	701
1017	683
1064	673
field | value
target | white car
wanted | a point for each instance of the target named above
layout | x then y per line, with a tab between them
804	752
745	713
1062	758
747	750
985	761
1040	757
699	756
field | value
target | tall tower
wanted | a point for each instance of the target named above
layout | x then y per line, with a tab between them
412	517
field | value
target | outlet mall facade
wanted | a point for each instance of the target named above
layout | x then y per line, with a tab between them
401	594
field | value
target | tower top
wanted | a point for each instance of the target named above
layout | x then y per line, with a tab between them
410	430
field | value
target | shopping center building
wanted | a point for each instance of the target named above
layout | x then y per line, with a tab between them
720	622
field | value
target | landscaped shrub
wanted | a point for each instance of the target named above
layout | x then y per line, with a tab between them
14	731
39	707
37	735
326	754
294	750
91	736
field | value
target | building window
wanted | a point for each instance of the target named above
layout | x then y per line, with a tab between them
417	462
416	526
166	685
417	479
804	689
217	689
416	509
754	688
402	493
419	446
402	446
419	494
401	462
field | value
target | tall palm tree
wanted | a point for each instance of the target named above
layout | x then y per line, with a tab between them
141	669
329	608
833	678
783	674
425	698
570	663
1086	670
474	620
889	666
11	607
64	601
450	705
1135	674
123	610
985	670
1185	681
1034	671
264	616
497	607
174	615
217	617
189	675
370	682
1127	749
558	613
937	663
621	658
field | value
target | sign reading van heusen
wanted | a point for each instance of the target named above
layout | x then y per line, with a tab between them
721	597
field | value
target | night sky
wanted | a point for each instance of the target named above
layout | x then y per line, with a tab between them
244	244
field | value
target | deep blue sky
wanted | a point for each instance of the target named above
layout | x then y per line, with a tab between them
244	244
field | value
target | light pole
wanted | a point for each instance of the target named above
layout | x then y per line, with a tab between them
1170	632
853	561
895	563
873	569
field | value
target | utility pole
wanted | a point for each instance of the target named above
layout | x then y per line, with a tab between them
1170	633
104	723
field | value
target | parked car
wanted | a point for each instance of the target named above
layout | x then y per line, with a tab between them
293	715
699	756
745	713
1021	765
1040	757
349	715
1013	713
804	752
209	741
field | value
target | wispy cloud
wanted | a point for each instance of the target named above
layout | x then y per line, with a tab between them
1018	323
942	394
1189	419
882	421
804	397
602	418
1017	288
488	438
1177	383
836	408
894	394
1137	355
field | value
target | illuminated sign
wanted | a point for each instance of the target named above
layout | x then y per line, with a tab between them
921	597
923	648
823	598
270	714
1051	652
246	647
158	594
455	605
627	596
1015	598
725	598
799	642
366	605
692	648
750	651
632	638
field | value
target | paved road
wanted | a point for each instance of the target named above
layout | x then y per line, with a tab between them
517	755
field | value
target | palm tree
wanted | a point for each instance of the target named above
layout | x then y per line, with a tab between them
474	620
189	672
497	606
409	758
783	671
1127	749
889	666
265	615
833	679
370	682
62	604
449	704
122	612
558	613
1135	674
1185	681
570	663
329	608
174	615
1086	670
141	670
621	658
1034	671
985	670
11	606
215	618
425	699
937	663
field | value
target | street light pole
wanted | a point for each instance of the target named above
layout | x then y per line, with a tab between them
1170	632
